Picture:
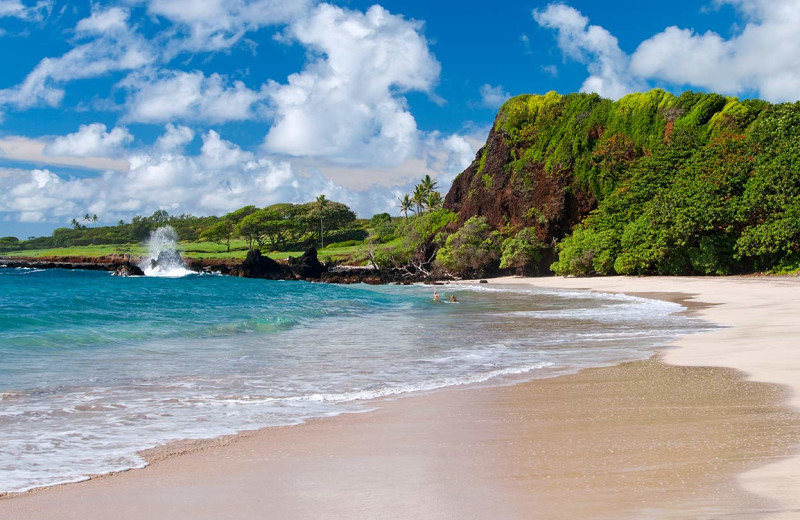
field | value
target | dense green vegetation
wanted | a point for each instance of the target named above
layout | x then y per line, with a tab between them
694	184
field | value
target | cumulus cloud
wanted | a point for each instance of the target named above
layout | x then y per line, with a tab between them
25	149
174	138
112	46
213	25
592	45
91	141
763	57
493	97
347	104
218	179
171	95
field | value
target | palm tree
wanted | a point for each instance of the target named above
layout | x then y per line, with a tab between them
87	217
95	218
406	205
435	200
419	197
75	224
428	184
321	203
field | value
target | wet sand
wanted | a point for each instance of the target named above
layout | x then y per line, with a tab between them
639	440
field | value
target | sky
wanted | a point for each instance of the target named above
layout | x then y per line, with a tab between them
203	106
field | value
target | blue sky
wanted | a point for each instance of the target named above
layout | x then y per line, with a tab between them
122	108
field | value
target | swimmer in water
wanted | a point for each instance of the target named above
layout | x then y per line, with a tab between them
436	297
453	298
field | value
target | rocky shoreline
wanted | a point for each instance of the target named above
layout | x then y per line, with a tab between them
306	267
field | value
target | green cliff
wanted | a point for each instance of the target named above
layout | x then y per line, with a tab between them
649	184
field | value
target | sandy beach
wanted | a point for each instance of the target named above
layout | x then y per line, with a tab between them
707	429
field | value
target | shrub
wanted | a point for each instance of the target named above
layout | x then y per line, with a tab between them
473	249
521	250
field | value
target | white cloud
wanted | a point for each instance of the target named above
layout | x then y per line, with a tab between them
25	149
101	22
91	141
764	56
222	177
213	25
218	179
173	95
174	138
552	70
112	46
16	9
347	104
593	45
493	97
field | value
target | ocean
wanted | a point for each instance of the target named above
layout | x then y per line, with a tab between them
94	368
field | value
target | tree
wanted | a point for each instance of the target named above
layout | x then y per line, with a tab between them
406	205
220	233
521	250
75	224
419	198
322	202
9	243
95	218
434	200
268	224
236	216
159	216
473	249
420	245
323	215
428	185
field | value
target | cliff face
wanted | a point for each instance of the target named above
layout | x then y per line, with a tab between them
649	184
550	160
526	196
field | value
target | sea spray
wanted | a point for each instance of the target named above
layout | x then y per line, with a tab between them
163	258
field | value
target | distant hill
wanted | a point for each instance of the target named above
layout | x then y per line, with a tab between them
650	184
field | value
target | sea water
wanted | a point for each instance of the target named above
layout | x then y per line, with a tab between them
94	368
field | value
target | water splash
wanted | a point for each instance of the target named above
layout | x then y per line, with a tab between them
163	258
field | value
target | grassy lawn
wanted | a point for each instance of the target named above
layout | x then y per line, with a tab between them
110	249
353	253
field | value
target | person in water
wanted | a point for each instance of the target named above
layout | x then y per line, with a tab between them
453	298
436	297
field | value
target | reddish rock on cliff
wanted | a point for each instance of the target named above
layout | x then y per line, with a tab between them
527	197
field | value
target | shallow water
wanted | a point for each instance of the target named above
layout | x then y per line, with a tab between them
94	368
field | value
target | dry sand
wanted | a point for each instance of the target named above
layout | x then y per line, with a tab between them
640	440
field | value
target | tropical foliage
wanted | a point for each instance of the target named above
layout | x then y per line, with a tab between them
693	184
472	250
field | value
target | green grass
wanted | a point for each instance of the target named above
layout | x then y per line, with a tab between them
102	250
199	250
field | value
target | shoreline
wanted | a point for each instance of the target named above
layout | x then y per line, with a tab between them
758	344
756	481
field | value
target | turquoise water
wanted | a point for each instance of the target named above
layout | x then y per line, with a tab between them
94	368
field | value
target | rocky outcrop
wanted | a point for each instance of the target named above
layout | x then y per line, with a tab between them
128	269
307	266
350	275
507	194
92	263
256	265
166	259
